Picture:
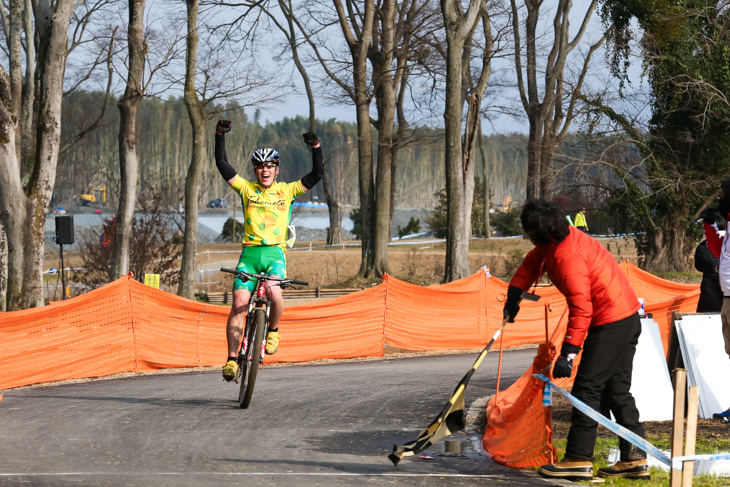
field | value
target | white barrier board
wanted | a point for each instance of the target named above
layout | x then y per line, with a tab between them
651	385
707	364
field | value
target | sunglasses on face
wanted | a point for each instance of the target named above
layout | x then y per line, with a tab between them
267	165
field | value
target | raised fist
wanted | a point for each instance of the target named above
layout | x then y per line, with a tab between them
223	126
310	138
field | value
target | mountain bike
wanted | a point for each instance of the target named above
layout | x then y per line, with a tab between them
253	345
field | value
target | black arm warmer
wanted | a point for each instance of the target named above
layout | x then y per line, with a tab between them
317	169
221	161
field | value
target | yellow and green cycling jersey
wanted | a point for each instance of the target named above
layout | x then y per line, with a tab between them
267	210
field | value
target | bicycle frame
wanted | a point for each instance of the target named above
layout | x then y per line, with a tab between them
258	299
252	346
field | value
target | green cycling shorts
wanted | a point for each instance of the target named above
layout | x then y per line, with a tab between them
269	259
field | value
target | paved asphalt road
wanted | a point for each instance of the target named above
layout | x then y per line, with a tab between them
320	424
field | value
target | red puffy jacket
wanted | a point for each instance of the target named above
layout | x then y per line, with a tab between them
586	273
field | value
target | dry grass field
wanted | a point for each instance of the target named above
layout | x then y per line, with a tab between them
419	262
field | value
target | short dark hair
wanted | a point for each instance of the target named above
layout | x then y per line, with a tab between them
543	222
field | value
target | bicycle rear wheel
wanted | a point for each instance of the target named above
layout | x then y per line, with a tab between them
257	329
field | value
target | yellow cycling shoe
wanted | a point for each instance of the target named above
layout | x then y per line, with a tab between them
230	369
272	342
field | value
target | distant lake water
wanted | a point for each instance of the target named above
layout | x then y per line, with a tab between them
316	222
212	224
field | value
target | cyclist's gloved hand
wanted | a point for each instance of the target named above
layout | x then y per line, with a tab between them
223	126
310	138
512	305
564	365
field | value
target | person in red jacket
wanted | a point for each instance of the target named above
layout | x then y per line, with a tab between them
602	321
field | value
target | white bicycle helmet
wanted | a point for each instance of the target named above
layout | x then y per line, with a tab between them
262	156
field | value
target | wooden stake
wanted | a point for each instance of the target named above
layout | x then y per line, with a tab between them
680	388
689	447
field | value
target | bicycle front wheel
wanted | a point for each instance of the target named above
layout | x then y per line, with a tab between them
256	338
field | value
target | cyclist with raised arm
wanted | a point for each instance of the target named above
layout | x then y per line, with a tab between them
267	213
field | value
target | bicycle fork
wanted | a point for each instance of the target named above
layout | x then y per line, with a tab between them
244	349
245	343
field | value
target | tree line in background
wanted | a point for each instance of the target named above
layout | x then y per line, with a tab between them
421	78
94	160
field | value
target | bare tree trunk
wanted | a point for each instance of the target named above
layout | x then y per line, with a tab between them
197	116
3	268
381	223
128	163
365	178
334	231
485	184
53	39
547	167
459	162
27	115
393	184
457	244
667	245
385	99
12	200
15	61
534	146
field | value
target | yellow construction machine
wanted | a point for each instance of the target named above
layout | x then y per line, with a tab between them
506	205
94	196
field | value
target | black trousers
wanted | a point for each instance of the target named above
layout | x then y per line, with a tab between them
602	382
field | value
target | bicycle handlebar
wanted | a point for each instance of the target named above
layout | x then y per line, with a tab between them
249	276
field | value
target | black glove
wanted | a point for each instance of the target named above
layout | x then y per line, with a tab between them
310	138
708	215
564	365
512	305
223	126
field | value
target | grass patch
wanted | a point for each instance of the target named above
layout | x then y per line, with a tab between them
659	477
685	277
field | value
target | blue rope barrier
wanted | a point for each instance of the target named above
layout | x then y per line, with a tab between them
675	462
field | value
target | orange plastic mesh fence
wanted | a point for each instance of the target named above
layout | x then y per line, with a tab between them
127	326
519	428
662	298
344	327
513	437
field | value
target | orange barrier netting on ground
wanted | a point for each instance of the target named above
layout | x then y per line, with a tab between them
519	428
126	326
